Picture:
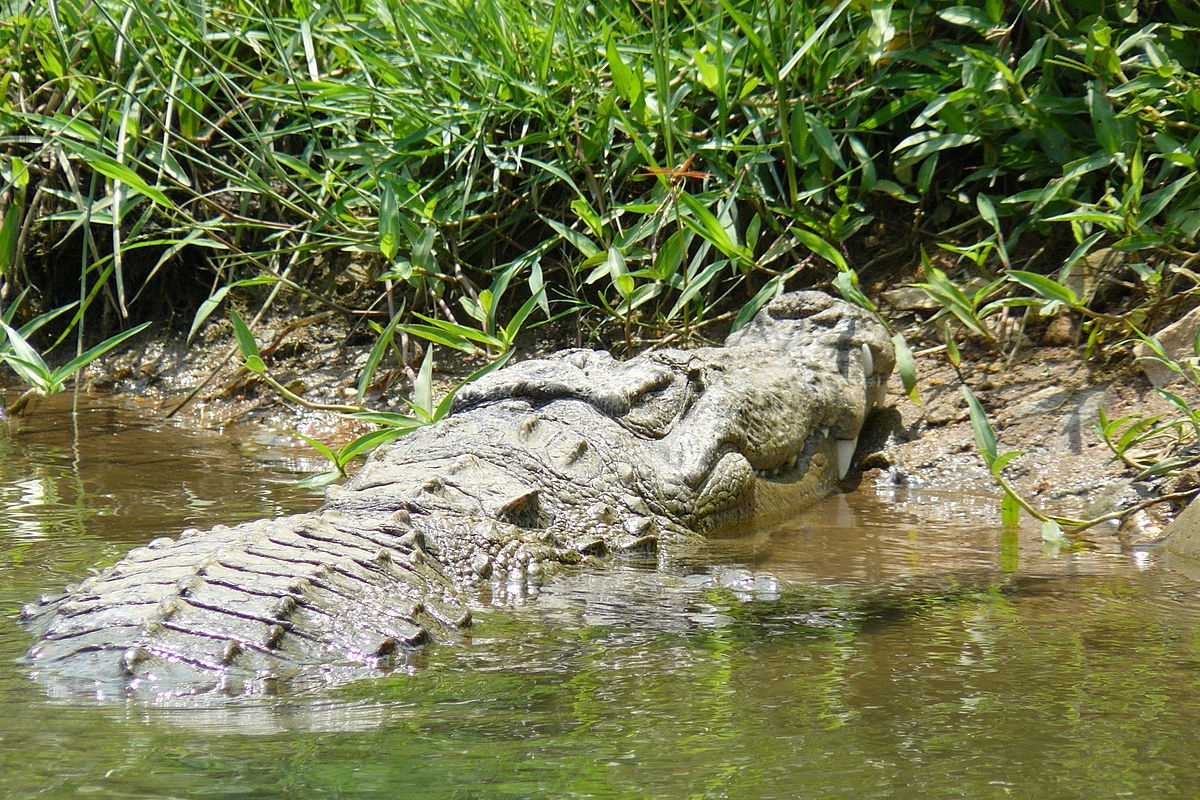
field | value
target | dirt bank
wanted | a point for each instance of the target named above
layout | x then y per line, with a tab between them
1042	399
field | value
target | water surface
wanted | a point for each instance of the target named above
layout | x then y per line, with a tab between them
996	668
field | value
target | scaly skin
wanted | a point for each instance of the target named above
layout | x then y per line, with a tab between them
548	462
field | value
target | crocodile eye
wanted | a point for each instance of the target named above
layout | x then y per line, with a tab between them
654	413
524	510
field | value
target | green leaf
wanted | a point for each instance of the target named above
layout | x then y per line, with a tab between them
750	30
1110	133
1048	288
319	480
628	83
846	282
768	292
244	338
9	229
1136	432
422	250
669	257
453	335
556	172
109	167
1010	546
439	335
390	230
30	367
41	319
321	448
25	360
589	217
1002	460
206	309
952	353
825	141
402	422
80	361
423	385
919	145
1080	251
444	407
705	223
582	243
619	273
987	211
697	284
906	366
375	356
985	437
367	442
939	287
968	17
813	39
518	319
1154	203
822	248
1111	221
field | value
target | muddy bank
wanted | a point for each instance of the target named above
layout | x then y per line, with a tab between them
1045	404
1042	399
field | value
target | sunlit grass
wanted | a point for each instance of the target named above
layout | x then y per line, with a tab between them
656	165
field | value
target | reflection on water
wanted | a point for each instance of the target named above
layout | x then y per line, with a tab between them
878	645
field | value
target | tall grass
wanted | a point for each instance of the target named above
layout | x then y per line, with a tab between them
443	145
651	164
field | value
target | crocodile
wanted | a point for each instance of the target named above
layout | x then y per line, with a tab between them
551	462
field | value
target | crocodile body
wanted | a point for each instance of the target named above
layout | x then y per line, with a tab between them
547	462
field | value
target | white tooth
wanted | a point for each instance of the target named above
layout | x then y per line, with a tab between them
795	462
824	432
845	455
880	393
868	362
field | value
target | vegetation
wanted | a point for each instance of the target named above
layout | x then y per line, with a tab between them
457	171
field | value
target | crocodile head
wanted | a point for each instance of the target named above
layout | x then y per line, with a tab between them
768	422
778	411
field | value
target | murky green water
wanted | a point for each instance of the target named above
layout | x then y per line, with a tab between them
1068	676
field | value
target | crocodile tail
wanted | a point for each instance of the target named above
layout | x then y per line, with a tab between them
306	597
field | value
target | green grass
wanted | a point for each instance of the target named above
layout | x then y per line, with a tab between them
445	145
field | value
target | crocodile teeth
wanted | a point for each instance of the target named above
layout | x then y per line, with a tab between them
868	365
845	455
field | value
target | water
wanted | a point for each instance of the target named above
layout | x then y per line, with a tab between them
997	669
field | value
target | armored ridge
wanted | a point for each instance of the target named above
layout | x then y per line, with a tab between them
547	462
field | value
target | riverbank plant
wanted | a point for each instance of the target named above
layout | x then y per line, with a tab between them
656	171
